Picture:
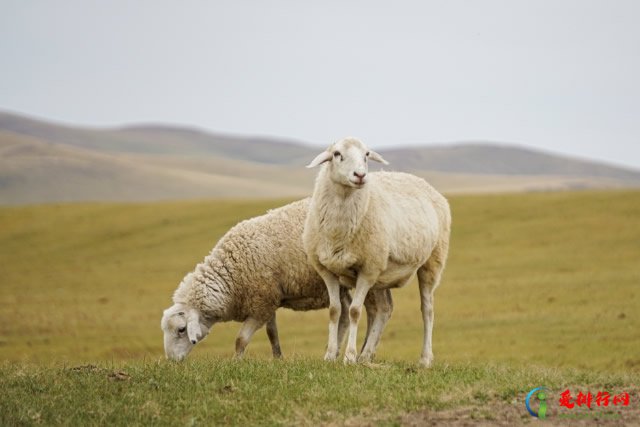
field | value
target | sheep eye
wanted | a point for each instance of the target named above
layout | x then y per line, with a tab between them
336	154
182	330
367	155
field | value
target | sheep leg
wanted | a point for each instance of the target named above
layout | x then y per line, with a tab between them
343	321
384	308
248	328
428	279
371	309
272	333
363	284
335	312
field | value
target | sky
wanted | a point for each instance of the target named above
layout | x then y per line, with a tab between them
554	75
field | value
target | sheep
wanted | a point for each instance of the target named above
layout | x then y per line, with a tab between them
372	232
255	268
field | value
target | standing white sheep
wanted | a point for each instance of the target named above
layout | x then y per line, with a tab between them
373	231
255	268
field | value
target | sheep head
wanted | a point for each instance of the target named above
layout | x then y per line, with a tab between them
183	328
348	162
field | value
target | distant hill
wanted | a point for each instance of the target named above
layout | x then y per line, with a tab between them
45	162
492	159
33	171
159	139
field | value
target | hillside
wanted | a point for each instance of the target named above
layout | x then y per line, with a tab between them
46	162
33	171
494	159
159	139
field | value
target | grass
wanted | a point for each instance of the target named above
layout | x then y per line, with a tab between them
539	288
215	391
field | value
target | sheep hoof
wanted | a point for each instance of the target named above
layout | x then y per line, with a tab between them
350	357
426	362
365	358
330	356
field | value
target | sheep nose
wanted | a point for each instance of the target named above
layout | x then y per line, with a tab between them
360	175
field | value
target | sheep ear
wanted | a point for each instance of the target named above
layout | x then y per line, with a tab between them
193	327
377	158
325	156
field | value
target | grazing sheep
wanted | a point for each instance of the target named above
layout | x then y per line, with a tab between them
256	267
373	231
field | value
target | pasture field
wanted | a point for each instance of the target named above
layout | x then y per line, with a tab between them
539	288
302	391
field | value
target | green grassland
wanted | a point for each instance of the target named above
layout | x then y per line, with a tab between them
539	287
302	391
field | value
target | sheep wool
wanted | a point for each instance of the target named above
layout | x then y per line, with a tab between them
373	231
258	266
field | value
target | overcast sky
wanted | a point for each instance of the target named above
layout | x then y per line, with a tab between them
556	75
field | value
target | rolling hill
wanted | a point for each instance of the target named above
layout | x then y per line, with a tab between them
491	159
160	140
33	171
45	162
